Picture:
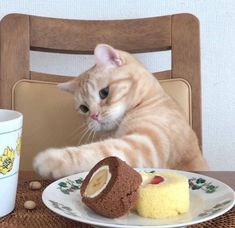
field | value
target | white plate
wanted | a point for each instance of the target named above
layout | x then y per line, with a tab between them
209	198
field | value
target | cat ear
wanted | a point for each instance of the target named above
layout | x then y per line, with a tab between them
69	86
107	56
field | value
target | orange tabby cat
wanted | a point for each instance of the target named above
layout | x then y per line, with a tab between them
120	96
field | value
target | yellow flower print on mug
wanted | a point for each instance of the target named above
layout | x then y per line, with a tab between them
7	160
18	145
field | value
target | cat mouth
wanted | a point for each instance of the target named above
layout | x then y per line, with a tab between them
110	125
97	125
104	124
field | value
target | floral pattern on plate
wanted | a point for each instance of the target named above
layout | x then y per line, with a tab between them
69	186
218	207
203	184
67	210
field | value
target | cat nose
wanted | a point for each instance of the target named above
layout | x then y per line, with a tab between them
94	116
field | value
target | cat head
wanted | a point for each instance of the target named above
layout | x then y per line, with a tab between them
107	91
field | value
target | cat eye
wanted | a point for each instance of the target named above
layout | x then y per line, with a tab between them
104	92
84	108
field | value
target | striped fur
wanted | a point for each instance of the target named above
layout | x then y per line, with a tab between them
148	128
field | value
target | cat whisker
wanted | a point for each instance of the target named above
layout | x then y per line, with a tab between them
88	138
106	115
93	136
81	127
84	130
75	131
84	134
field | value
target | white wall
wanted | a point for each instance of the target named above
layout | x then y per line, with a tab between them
217	20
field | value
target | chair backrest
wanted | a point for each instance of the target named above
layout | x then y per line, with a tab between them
49	118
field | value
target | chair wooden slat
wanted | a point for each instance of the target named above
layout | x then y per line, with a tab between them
186	61
48	77
14	54
80	36
60	78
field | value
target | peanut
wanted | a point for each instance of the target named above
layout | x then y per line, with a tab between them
35	185
29	204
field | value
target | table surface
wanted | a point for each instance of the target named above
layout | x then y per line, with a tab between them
43	217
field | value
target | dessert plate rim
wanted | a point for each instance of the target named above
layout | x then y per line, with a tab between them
63	198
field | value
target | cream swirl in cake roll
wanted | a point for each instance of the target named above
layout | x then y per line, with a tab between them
163	195
98	182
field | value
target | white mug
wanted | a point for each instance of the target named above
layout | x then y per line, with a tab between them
10	143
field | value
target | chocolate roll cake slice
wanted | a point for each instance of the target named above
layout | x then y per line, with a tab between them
110	188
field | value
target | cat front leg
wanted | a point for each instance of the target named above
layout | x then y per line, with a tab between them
137	150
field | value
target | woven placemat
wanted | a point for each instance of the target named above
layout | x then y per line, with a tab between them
43	217
38	217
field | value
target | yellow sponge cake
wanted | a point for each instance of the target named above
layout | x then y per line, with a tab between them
163	195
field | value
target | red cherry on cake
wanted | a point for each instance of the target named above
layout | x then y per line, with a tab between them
157	180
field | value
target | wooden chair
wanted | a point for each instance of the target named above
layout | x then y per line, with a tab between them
49	117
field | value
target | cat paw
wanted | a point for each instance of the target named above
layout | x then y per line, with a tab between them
50	163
